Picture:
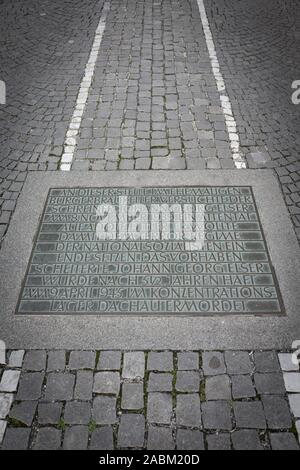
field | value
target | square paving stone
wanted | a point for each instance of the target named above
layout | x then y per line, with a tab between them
16	358
76	438
134	365
216	415
188	439
249	415
109	360
219	441
35	360
160	382
283	441
266	361
159	409
286	364
188	411
49	413
292	381
104	410
294	400
160	361
59	386
47	439
77	412
131	430
238	362
246	439
56	361
84	385
82	360
107	382
30	386
213	363
23	412
242	387
277	412
187	381
217	388
132	396
102	439
187	361
16	439
269	383
9	381
160	438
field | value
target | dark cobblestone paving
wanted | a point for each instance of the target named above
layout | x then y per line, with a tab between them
44	46
149	400
257	44
153	103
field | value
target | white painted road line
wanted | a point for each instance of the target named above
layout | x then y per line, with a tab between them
225	102
74	126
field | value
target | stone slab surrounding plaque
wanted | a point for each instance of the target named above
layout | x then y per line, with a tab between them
73	271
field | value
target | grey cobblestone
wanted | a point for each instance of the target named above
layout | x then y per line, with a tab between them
187	381
30	386
216	415
49	413
23	412
160	382
77	412
84	385
82	360
104	410
213	363
187	409
109	360
35	360
217	388
47	439
56	361
188	439
16	439
160	361
131	431
159	408
220	441
107	382
246	439
249	415
238	362
76	438
102	439
59	386
160	438
134	365
188	361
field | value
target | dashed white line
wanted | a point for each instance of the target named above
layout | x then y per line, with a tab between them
74	126
225	101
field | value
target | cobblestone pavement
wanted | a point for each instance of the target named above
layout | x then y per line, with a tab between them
257	45
151	400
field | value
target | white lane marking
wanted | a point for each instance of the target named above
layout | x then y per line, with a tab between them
74	126
225	101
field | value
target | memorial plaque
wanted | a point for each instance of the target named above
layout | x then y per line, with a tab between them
133	263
